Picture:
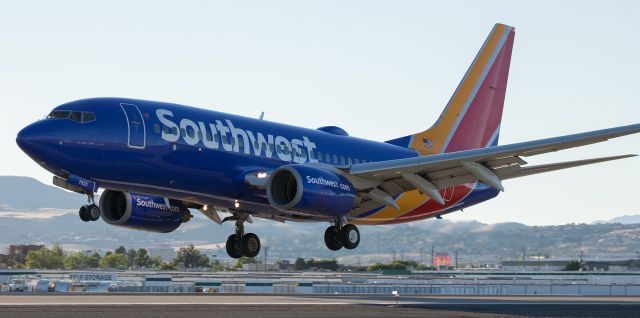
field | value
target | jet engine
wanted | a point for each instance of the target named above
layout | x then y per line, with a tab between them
142	212
310	190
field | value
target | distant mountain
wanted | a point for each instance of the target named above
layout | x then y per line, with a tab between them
625	219
24	193
32	212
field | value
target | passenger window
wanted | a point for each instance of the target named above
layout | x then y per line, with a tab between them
303	154
199	135
175	131
88	117
156	128
335	159
320	157
183	131
349	161
328	158
357	161
76	116
342	162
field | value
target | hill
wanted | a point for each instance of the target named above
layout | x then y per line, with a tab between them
35	213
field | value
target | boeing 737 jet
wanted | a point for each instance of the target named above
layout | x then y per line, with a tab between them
155	161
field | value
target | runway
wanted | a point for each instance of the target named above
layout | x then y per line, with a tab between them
217	305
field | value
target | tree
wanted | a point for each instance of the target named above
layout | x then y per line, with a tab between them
244	260
142	259
572	266
191	257
45	258
300	264
121	250
217	266
327	264
168	267
114	260
94	260
79	260
131	257
155	261
395	265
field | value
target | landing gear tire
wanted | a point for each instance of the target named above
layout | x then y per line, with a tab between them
350	236
94	212
233	246
250	245
331	239
84	214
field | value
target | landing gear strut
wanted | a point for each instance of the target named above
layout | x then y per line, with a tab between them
340	235
89	212
241	244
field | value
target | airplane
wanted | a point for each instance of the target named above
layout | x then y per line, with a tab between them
155	161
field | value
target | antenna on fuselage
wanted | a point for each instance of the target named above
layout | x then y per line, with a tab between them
262	116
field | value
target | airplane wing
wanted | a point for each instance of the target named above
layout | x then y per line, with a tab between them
490	165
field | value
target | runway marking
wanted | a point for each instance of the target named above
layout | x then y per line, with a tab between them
400	303
172	304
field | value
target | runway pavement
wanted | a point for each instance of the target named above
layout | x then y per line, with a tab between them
217	305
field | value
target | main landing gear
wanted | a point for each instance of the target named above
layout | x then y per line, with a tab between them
341	235
241	244
89	212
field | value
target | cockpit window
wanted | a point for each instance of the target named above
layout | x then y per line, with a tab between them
76	116
80	117
87	117
59	114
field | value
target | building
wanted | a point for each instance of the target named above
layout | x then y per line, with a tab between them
442	260
546	265
17	253
22	250
164	251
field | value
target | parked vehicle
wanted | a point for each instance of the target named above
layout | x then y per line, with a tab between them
18	285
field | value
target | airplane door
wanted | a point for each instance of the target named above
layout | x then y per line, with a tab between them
135	125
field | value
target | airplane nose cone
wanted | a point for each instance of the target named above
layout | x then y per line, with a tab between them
23	137
28	138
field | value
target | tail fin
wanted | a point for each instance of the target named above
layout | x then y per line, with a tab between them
474	112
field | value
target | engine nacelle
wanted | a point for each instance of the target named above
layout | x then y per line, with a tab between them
310	190
142	212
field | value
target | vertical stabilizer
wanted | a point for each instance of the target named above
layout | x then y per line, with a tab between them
472	117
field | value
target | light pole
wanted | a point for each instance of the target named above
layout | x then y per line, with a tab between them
266	253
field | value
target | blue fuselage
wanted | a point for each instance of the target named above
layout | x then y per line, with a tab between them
186	153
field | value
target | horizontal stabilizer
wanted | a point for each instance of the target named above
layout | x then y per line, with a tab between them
527	171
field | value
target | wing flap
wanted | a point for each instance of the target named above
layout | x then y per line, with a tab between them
527	171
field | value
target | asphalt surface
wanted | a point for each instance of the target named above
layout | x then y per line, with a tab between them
180	305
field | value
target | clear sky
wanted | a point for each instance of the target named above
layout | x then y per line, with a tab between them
379	69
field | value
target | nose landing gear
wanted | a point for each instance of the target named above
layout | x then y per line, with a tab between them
339	235
89	212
